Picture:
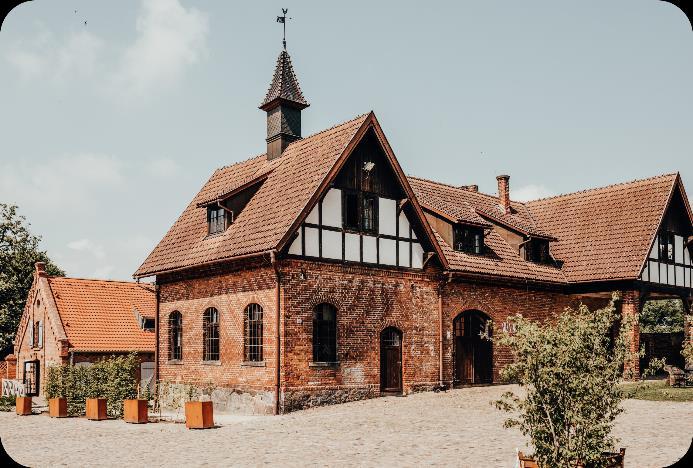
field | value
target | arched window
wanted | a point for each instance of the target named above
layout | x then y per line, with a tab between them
210	325
253	333
325	333
175	336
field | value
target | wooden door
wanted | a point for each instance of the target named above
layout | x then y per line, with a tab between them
32	384
391	360
464	358
473	353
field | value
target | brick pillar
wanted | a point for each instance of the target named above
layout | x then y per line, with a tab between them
630	307
11	372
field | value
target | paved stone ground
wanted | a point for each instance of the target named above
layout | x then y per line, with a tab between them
458	428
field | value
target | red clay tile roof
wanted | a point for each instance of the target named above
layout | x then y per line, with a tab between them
605	233
284	83
292	180
100	315
464	205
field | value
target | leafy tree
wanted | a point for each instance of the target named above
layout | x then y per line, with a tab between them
19	251
569	370
664	316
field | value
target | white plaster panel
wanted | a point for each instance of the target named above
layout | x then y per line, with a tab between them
313	216
388	252
403	254
653	252
387	214
352	247
296	245
331	244
312	242
645	275
417	254
654	272
686	256
413	235
332	208
679	276
370	249
671	275
678	249
403	225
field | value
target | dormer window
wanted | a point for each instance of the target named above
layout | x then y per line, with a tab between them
216	219
537	251
468	239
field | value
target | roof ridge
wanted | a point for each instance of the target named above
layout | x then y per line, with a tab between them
331	128
461	188
592	189
134	283
241	162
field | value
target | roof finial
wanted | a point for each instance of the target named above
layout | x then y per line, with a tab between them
282	19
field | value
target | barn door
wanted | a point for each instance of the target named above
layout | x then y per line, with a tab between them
32	382
473	349
391	360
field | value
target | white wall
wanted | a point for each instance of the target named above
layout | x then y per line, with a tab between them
387	216
332	208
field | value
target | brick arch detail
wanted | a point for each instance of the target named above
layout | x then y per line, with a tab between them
323	298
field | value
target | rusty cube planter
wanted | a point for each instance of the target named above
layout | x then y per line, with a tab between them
57	407
199	415
23	405
136	411
96	409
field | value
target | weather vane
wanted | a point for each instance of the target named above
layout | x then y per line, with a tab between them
282	19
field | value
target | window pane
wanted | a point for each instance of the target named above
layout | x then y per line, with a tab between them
325	333
369	213
351	210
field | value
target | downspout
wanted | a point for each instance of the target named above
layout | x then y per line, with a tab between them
273	258
156	342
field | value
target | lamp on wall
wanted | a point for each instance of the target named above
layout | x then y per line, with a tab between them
368	166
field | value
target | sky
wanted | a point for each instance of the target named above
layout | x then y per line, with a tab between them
114	114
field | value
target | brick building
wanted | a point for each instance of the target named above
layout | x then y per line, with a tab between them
79	321
319	273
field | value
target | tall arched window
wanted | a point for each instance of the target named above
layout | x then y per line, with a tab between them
175	336
253	333
325	333
210	325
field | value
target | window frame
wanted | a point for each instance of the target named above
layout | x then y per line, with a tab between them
469	242
532	254
359	224
216	220
253	331
175	333
211	349
324	346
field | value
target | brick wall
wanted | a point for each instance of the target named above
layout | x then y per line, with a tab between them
368	300
229	292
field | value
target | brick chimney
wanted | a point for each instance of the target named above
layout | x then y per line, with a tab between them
41	269
504	193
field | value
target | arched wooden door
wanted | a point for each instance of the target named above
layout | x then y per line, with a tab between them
391	360
473	352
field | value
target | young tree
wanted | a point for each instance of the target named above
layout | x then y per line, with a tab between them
19	251
569	370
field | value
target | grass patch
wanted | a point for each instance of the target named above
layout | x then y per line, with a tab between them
656	390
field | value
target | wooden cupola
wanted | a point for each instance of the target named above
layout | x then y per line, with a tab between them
283	104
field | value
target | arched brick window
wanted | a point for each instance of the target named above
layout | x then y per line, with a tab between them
210	325
325	333
253	333
175	336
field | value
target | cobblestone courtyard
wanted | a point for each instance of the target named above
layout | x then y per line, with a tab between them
457	428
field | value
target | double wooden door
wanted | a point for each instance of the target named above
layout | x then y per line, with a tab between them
473	350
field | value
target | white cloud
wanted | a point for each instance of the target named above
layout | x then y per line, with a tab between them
530	192
86	245
169	39
163	168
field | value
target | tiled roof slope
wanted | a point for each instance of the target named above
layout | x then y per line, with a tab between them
502	260
100	315
605	233
284	83
261	225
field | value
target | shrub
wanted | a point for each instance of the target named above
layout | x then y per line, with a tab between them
687	351
570	370
6	403
112	378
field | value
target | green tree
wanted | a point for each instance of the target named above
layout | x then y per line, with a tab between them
663	316
569	371
19	251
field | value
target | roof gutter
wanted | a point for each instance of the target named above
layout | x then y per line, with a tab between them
212	262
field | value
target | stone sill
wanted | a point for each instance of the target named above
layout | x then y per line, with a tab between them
175	362
211	363
328	365
253	364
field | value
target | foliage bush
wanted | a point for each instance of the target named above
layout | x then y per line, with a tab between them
570	370
687	351
662	316
7	403
113	378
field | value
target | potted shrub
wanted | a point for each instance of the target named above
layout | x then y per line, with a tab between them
96	409
570	372
199	414
23	405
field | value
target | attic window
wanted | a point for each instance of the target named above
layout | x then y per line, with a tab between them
667	247
468	239
360	211
537	251
216	219
148	324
